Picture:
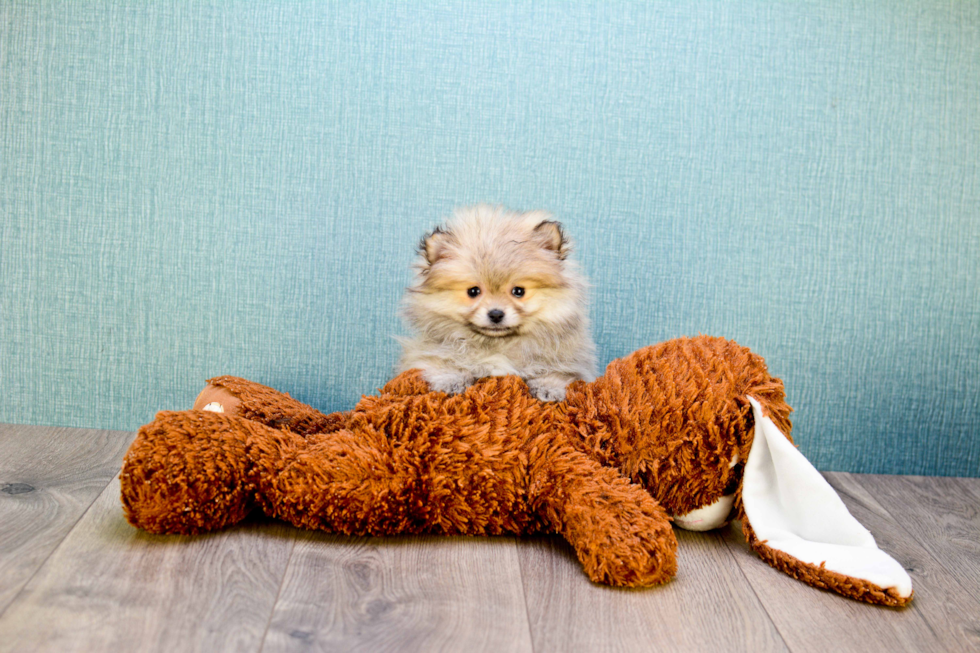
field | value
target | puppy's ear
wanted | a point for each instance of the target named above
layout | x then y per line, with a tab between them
550	235
433	245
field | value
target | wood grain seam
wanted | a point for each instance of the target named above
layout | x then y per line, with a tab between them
275	602
520	570
735	553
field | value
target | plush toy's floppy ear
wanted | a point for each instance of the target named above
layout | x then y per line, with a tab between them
798	524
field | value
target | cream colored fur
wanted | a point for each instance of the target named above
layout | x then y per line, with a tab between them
539	332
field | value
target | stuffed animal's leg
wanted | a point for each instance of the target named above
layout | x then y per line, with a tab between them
195	471
343	482
798	524
191	471
234	396
620	533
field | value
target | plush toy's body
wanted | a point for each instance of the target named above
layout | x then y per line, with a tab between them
666	430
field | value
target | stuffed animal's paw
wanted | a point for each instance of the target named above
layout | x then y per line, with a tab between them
233	397
186	473
216	399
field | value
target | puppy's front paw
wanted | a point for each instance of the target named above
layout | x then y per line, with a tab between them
547	388
452	383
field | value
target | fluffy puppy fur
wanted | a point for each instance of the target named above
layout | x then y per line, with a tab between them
496	294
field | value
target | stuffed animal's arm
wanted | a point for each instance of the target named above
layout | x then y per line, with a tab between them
621	535
253	401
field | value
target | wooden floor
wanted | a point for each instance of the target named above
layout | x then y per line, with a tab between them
75	576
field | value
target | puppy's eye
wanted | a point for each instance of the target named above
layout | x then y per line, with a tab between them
474	291
517	291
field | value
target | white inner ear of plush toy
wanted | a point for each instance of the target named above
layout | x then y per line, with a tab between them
793	509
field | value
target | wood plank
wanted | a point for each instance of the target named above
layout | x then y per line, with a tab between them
49	476
111	587
944	604
401	594
77	580
939	618
971	484
943	514
708	606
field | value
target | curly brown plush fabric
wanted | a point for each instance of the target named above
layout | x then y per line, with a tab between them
661	432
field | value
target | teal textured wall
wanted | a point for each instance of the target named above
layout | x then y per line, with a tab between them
188	189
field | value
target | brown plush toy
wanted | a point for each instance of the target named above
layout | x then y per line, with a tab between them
691	428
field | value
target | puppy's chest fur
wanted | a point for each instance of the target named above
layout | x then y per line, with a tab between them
523	356
482	364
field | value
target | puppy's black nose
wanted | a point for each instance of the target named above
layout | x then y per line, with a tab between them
495	315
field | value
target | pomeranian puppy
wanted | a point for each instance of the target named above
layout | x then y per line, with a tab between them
495	294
